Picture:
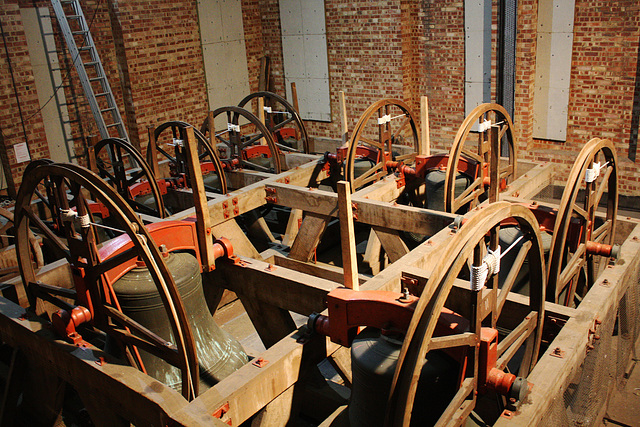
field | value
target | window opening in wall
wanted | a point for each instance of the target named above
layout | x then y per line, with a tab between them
304	50
50	76
477	54
553	69
224	54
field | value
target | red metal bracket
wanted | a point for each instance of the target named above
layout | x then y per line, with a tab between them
221	413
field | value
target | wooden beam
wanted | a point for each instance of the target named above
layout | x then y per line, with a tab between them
344	125
203	221
126	389
317	269
293	226
311	230
552	374
276	286
531	182
347	236
373	254
373	212
392	243
425	141
272	323
232	231
286	363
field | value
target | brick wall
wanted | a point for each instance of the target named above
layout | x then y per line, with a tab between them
376	49
23	107
444	65
162	64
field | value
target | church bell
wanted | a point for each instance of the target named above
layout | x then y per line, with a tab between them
374	357
219	354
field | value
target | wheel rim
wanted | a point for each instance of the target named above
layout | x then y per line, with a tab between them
419	338
240	144
567	262
275	124
205	151
401	126
117	175
83	253
497	115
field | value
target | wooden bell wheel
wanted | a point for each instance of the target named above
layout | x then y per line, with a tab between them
113	168
485	308
572	268
484	151
385	126
208	155
252	147
281	119
9	268
80	250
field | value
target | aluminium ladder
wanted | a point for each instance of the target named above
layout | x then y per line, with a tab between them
89	67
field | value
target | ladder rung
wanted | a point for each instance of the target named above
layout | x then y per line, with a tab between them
91	64
74	16
108	109
102	94
79	33
114	124
95	79
85	48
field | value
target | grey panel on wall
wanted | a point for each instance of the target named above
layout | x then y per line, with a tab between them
553	69
224	54
304	48
55	117
477	52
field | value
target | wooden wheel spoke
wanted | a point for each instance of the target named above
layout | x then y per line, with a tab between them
506	171
407	157
114	261
583	214
226	142
255	166
135	177
461	405
377	144
142	337
282	124
600	233
513	274
456	340
405	122
365	177
576	261
252	141
46	231
469	193
167	155
203	156
473	156
602	186
503	130
508	347
53	294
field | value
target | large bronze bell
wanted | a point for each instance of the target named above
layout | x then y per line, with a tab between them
219	354
374	357
434	182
